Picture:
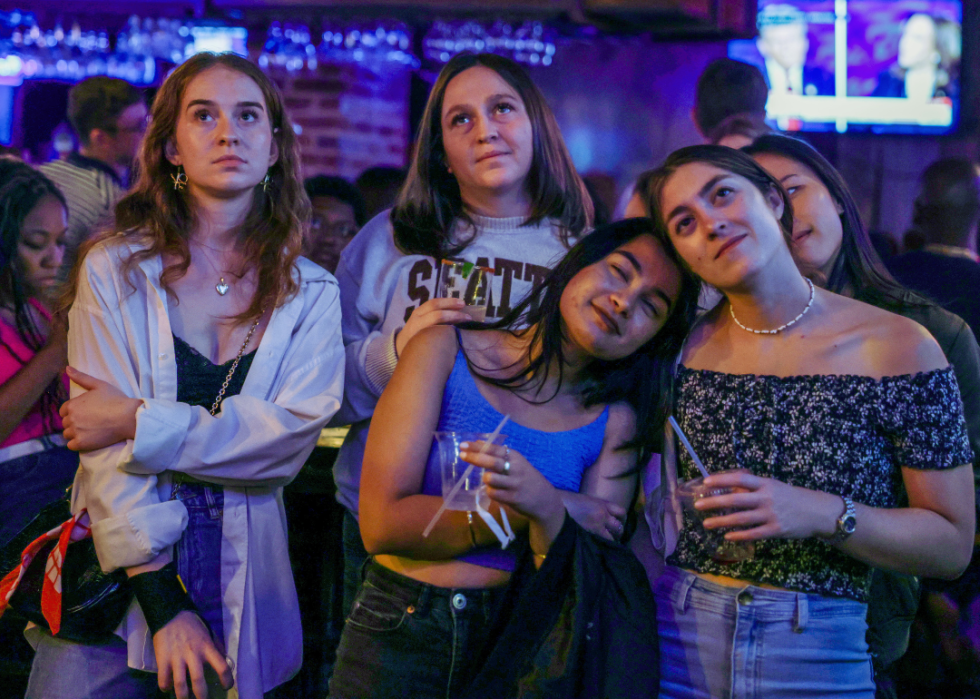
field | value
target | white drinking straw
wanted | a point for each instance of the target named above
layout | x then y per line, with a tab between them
466	474
687	445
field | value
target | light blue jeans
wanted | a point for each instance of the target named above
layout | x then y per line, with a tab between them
719	642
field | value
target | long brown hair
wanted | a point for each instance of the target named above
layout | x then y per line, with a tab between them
430	202
160	218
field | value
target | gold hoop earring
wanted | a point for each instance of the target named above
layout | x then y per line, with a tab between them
180	179
267	182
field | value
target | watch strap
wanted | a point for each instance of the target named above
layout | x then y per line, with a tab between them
849	515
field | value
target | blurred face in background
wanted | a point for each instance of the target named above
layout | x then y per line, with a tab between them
787	44
128	133
332	227
917	47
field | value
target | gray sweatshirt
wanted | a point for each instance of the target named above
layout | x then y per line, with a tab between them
380	287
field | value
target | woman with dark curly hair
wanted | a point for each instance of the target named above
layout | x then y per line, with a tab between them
35	466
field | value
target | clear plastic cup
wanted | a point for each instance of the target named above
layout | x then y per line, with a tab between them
466	281
719	548
452	469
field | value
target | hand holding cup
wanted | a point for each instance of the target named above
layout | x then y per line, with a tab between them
512	481
756	507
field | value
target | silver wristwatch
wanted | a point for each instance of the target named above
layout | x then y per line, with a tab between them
846	523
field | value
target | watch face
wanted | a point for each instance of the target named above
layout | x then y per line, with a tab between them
849	524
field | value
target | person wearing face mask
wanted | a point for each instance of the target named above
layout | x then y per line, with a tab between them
582	368
205	357
836	428
491	183
928	61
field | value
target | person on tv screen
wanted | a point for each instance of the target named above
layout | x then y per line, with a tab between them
784	43
927	65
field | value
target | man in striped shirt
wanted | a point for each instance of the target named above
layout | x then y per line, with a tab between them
109	117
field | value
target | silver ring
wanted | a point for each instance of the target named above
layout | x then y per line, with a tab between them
506	466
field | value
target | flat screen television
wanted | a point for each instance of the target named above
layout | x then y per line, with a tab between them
887	66
218	39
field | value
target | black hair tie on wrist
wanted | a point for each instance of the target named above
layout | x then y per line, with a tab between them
161	596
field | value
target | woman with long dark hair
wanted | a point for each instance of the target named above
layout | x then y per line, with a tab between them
490	183
582	367
833	249
209	357
35	465
814	412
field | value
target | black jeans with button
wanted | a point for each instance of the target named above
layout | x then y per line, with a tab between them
407	638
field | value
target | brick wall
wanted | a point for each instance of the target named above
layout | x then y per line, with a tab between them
352	117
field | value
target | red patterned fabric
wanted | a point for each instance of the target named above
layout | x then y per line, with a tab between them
75	529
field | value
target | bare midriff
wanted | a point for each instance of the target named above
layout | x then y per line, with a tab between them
445	573
734	582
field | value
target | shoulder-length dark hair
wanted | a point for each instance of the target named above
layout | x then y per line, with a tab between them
643	380
161	218
651	183
858	270
21	190
429	203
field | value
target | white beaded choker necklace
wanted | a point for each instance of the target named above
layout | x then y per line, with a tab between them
731	309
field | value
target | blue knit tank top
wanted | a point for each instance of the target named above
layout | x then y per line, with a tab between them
561	457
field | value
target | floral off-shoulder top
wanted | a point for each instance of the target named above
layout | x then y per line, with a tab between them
842	434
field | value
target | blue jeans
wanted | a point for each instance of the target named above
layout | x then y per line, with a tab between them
69	670
355	556
29	483
753	643
406	638
199	550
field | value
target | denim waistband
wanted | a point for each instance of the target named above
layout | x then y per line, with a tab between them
424	597
685	589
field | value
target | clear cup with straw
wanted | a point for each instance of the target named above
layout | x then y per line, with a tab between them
719	548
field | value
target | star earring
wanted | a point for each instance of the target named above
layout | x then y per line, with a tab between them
180	179
267	182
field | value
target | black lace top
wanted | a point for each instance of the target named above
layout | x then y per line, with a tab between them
846	435
199	380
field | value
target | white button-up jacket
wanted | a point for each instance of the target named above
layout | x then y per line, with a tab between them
254	446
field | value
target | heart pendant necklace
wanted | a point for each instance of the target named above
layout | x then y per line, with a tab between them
222	286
